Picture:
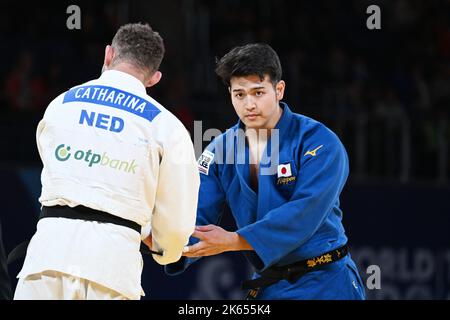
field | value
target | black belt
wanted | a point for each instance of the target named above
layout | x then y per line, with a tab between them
85	213
89	214
82	213
292	272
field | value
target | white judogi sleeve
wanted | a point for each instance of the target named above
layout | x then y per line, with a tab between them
174	214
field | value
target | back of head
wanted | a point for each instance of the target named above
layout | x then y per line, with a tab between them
252	59
137	44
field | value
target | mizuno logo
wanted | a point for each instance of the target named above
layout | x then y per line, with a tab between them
313	152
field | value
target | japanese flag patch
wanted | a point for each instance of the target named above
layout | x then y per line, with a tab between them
205	161
284	170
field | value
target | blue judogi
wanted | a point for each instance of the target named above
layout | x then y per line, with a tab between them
294	216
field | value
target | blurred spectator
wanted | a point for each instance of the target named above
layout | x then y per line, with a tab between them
25	90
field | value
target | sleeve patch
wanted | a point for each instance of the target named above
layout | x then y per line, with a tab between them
205	161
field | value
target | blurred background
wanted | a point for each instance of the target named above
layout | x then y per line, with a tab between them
386	93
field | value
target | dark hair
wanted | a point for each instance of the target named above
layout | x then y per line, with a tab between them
252	59
138	44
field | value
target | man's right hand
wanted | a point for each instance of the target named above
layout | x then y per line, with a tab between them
148	241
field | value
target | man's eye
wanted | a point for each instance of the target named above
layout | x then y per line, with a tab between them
239	95
259	93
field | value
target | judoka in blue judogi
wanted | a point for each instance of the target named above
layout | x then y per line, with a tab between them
286	203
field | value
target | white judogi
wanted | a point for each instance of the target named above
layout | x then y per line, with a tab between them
109	146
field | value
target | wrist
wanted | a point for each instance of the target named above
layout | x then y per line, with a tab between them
239	243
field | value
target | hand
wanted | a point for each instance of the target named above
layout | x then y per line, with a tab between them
214	240
148	241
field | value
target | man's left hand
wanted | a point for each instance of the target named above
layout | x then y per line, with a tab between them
213	240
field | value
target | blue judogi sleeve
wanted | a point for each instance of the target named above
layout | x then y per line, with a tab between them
211	202
319	183
211	197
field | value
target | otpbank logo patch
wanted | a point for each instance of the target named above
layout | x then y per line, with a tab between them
65	153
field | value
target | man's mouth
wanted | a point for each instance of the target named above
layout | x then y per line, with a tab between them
251	116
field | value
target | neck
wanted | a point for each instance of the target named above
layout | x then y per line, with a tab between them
276	117
130	69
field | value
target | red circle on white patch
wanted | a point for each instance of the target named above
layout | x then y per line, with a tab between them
283	170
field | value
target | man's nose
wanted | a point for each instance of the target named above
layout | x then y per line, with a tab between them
249	104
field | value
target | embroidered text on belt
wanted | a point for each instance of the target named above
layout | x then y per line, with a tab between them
292	272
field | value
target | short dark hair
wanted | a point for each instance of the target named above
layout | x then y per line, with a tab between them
252	59
138	44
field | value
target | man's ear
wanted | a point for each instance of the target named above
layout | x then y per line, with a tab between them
109	56
279	89
154	79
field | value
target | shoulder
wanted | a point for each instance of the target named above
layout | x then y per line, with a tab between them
165	116
55	103
219	143
219	152
166	127
60	98
314	135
